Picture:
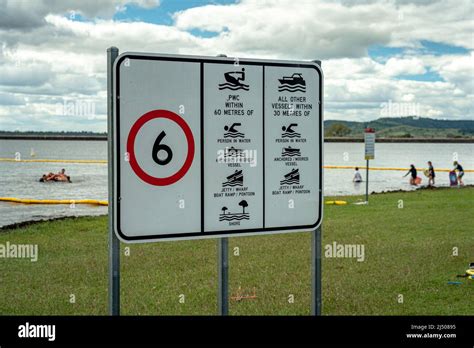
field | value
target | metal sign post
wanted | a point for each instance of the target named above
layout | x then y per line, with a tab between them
316	261
367	181
223	268
223	276
369	140
114	243
316	269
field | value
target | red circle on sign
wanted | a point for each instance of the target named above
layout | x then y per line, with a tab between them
131	147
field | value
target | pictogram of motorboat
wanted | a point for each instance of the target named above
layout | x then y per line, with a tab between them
295	79
289	151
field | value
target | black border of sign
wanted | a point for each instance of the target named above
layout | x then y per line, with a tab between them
116	117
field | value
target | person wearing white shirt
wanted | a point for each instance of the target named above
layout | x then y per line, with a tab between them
357	176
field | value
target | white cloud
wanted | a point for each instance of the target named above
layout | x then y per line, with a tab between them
62	59
23	14
11	99
459	70
290	29
449	22
408	66
20	75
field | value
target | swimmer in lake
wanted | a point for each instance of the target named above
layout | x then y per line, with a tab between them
61	176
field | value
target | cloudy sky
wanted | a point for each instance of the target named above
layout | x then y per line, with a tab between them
416	53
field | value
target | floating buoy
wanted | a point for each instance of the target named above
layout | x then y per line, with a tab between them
53	201
336	202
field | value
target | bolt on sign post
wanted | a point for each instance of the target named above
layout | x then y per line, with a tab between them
369	140
207	147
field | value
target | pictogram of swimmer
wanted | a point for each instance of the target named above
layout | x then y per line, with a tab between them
289	129
232	129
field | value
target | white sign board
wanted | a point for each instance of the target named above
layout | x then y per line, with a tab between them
213	147
369	139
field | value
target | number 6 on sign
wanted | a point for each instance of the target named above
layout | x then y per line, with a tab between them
157	147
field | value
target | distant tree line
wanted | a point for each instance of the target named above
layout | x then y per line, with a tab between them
337	130
64	133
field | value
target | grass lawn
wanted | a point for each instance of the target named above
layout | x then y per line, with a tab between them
408	251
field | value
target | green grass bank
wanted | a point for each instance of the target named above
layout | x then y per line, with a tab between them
408	251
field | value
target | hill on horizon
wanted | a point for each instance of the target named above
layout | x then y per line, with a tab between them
402	127
385	127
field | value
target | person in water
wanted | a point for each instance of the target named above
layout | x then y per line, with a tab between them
47	177
61	176
431	174
458	167
413	173
357	176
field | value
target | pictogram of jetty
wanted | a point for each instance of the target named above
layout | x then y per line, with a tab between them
235	179
292	178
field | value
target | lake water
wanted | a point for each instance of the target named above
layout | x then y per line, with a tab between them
89	181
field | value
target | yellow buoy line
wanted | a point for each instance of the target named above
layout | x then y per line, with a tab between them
391	168
53	201
52	161
105	162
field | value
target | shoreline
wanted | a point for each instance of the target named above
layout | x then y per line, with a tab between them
404	140
54	137
22	224
18	225
326	140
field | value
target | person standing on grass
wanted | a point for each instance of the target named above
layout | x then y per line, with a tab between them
458	167
413	173
431	174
